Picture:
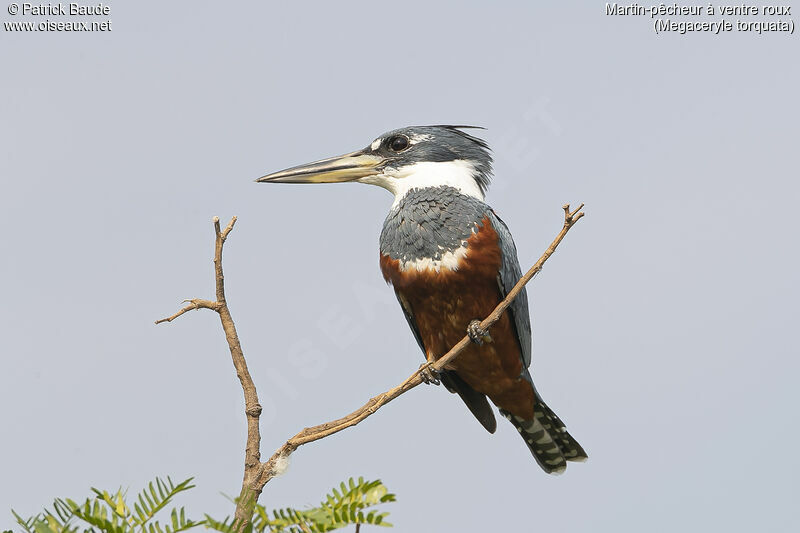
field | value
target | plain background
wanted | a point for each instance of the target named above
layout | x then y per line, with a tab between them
664	327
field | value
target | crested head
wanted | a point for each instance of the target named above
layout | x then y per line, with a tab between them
431	156
416	157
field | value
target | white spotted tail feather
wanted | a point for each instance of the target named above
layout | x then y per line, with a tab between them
547	439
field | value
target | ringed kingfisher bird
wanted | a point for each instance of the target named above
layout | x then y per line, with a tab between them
451	260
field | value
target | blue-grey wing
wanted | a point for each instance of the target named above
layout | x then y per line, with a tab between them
507	277
412	322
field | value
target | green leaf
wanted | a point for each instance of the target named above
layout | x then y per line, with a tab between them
224	526
106	512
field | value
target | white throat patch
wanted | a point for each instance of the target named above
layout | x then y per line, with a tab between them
458	174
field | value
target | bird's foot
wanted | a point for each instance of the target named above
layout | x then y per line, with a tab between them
429	375
477	334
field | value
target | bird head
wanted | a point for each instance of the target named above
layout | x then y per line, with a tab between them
407	158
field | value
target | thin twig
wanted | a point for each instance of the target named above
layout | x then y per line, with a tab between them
194	303
256	473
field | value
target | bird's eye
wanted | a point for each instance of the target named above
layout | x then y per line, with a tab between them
398	143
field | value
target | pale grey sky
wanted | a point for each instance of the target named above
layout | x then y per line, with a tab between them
664	327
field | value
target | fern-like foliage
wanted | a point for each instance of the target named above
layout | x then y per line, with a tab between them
345	505
106	512
110	513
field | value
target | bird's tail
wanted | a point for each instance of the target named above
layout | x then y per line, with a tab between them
547	438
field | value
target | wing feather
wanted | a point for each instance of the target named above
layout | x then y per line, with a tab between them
507	277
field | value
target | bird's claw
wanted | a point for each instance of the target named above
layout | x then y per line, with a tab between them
429	375
477	334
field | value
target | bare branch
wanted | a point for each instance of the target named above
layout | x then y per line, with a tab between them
194	303
252	460
256	473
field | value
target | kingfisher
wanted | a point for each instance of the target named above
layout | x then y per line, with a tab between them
451	260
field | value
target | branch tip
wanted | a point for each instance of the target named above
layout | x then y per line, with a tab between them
570	217
576	211
195	303
228	228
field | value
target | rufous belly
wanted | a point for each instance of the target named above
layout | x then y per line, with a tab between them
444	302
